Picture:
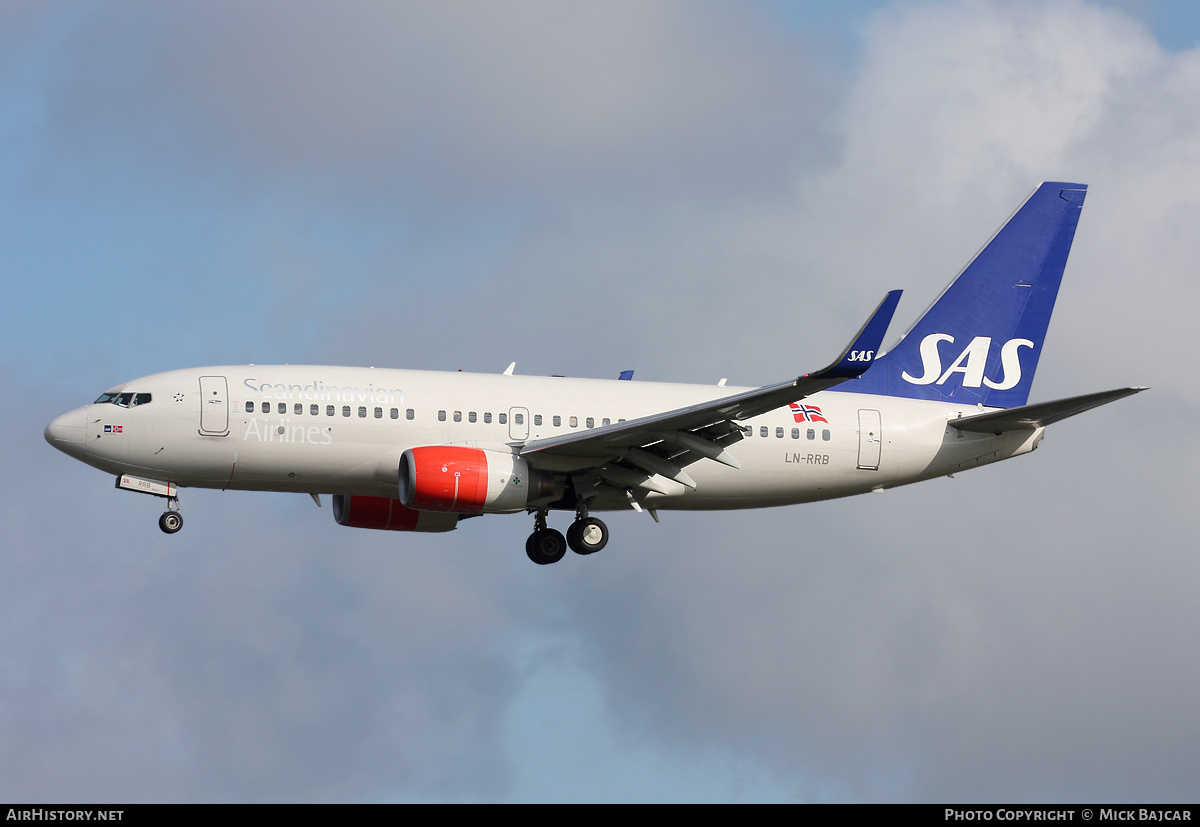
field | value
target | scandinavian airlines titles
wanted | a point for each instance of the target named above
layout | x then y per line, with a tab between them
318	391
285	433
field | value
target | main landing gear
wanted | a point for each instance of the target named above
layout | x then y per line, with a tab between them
586	535
171	520
545	545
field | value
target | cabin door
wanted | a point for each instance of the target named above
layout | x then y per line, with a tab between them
870	439
214	406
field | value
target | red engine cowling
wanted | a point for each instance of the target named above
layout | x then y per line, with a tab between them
358	511
467	480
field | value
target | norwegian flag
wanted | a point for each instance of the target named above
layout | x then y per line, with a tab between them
807	413
112	429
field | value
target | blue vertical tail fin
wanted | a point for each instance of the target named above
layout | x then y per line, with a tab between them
980	341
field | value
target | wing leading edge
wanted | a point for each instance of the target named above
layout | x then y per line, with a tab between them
663	443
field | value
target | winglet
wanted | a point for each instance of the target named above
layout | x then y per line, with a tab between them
860	355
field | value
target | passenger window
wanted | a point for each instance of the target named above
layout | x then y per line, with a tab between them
249	407
298	409
812	434
345	410
395	413
606	421
458	416
590	422
518	419
409	413
825	435
379	413
471	417
779	433
537	419
574	421
314	410
762	431
329	410
487	417
441	416
281	407
502	418
557	421
795	433
362	412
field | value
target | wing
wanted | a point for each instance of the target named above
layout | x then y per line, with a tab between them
629	454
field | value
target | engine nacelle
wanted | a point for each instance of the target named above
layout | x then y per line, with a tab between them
358	511
468	480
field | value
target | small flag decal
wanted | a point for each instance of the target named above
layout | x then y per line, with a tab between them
807	413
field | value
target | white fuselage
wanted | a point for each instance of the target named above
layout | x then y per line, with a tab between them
340	430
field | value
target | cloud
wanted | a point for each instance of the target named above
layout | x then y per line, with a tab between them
256	659
658	187
995	637
448	102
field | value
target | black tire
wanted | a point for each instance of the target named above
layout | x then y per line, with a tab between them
587	536
546	546
170	522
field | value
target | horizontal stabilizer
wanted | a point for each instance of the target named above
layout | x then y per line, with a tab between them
1028	417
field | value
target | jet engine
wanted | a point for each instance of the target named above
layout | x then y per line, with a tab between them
358	511
468	480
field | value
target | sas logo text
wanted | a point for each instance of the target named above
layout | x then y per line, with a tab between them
971	363
861	356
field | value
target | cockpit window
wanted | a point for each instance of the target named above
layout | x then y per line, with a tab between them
124	400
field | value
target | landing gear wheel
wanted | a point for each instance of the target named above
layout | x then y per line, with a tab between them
170	522
587	535
546	546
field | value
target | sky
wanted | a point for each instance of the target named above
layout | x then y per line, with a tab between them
691	190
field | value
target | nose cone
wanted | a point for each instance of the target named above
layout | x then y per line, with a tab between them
68	433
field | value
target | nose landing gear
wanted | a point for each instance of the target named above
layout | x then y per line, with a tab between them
171	520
